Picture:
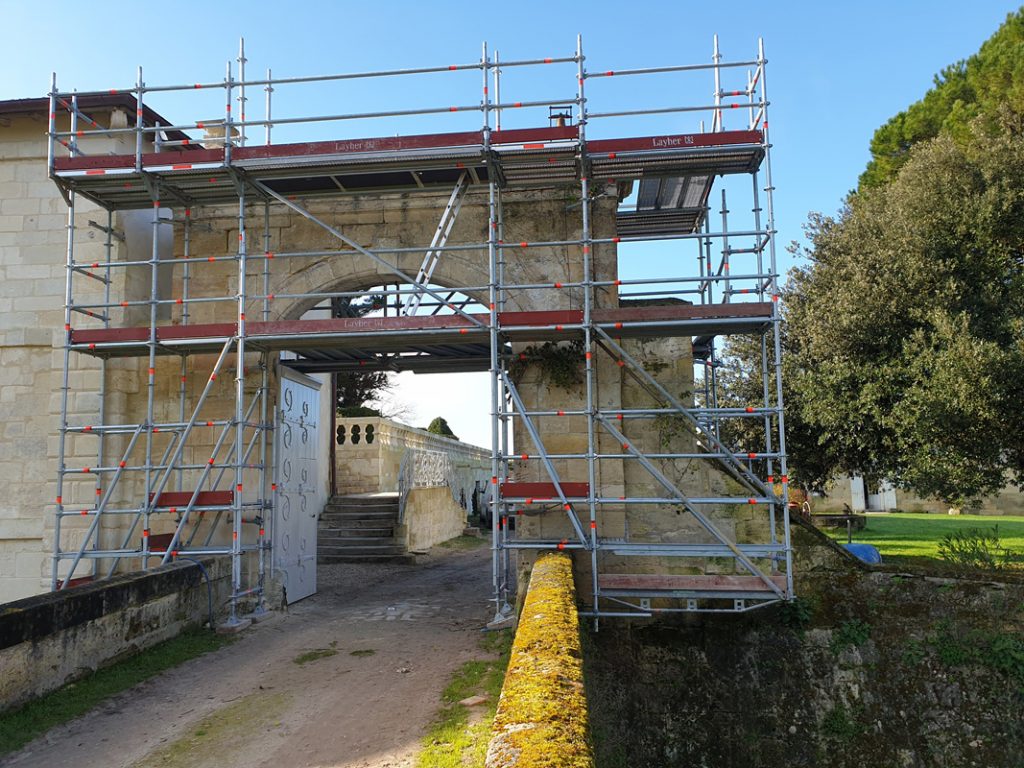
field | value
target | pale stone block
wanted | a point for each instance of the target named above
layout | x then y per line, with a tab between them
16	205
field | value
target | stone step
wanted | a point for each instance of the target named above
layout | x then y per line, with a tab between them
360	541
363	501
358	511
405	559
353	531
379	549
367	505
345	518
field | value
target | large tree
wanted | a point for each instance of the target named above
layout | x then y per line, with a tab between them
904	344
988	85
910	316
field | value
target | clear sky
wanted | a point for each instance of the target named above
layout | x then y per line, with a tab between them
836	72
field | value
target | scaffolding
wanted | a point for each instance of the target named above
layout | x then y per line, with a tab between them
187	475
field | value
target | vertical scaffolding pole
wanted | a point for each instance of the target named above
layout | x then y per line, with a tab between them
186	275
139	88
776	324
505	423
717	122
269	89
765	368
588	297
64	386
726	253
101	438
497	92
492	330
241	91
154	291
240	417
266	260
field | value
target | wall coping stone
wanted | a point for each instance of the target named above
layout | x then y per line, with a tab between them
33	618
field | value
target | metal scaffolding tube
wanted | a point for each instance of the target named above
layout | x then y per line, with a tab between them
776	331
588	297
493	344
249	455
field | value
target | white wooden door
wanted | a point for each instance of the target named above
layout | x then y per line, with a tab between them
882	498
858	499
296	506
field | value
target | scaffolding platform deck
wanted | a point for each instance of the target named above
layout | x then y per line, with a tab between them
520	157
650	188
653	585
454	335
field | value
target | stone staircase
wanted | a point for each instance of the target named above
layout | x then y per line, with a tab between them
360	529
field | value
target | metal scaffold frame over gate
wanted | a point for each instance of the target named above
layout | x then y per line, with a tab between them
206	476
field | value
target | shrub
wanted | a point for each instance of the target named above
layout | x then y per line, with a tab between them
440	427
358	411
975	548
850	633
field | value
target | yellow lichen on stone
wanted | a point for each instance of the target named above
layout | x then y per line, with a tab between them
541	720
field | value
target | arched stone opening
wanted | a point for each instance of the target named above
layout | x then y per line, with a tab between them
325	277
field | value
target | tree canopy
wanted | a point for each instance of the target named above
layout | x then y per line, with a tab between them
989	85
439	426
910	320
904	336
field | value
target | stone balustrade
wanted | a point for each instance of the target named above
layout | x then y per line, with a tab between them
369	451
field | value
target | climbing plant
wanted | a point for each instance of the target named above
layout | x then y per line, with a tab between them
561	364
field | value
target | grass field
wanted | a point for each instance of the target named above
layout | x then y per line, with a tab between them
915	538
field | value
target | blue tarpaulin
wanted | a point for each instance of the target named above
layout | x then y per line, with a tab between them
865	552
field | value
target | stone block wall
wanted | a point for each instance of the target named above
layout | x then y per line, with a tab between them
49	640
431	517
33	245
869	668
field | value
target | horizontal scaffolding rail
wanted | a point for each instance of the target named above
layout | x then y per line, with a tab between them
173	484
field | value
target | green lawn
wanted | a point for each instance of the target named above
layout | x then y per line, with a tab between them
915	538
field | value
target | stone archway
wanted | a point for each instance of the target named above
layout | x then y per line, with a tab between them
329	275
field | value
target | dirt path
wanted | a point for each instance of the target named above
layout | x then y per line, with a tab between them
250	704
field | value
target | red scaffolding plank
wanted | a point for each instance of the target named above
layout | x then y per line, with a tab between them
205	498
543	491
368	333
674	141
393	144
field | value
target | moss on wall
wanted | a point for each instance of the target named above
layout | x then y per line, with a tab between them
542	714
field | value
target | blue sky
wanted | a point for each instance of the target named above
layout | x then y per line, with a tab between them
836	70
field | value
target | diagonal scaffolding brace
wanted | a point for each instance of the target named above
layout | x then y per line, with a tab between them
737	469
437	244
701	518
548	466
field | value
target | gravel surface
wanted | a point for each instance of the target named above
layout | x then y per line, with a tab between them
377	643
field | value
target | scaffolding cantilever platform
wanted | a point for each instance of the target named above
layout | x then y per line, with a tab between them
198	482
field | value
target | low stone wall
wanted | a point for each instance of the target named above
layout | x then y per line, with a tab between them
369	450
542	714
52	639
431	517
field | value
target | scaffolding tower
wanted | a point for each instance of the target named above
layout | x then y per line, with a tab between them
206	476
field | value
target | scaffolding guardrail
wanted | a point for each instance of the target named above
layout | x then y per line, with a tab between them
735	270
